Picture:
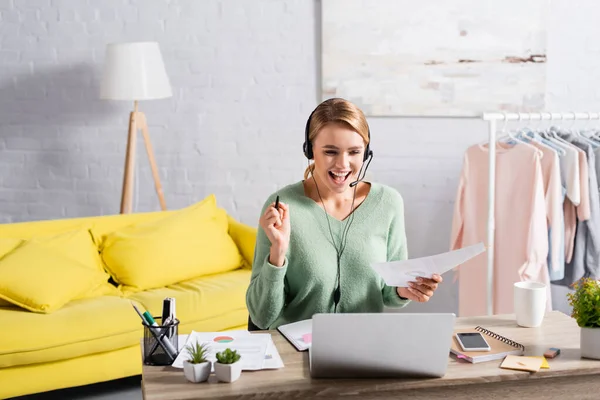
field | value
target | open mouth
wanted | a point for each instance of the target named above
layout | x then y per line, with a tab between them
339	177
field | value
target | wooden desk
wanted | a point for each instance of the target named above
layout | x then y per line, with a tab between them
569	376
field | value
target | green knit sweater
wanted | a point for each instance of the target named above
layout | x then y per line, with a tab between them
306	282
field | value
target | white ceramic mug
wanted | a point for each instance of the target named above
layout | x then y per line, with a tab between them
529	303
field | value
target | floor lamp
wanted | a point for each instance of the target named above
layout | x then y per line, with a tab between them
135	71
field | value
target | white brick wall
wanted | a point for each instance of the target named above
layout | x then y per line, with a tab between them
245	77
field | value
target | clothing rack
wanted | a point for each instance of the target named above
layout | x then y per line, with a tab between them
493	118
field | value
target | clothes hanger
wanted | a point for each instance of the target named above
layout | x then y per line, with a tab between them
593	131
577	132
554	136
513	137
503	129
570	130
590	133
592	143
561	150
531	133
545	133
534	135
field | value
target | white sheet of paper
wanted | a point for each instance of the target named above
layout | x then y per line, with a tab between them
272	358
399	273
252	348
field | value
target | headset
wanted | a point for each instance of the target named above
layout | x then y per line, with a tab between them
367	157
308	149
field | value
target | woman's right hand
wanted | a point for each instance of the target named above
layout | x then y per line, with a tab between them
276	224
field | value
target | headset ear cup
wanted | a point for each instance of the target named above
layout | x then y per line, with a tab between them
307	149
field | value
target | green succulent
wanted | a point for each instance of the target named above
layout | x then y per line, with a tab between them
586	303
228	356
197	352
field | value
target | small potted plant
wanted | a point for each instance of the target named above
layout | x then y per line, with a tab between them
586	311
197	368
228	367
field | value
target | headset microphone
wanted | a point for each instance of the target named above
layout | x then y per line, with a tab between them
370	155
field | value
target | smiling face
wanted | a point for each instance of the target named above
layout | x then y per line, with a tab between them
338	153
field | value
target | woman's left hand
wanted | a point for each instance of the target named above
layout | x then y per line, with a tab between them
421	290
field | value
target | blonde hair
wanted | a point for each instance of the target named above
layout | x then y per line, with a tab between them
336	110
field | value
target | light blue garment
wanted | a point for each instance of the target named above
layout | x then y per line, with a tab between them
529	135
560	271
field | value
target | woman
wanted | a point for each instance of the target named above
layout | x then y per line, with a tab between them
315	246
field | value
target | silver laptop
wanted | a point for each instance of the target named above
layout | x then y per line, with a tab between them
380	345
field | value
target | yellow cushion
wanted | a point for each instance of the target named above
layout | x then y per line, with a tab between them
80	246
244	237
103	289
76	244
80	328
190	243
209	303
39	278
7	245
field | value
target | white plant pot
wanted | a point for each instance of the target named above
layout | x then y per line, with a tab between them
590	343
228	372
196	373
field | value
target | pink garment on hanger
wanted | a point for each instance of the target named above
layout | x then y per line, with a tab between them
583	210
570	212
554	199
521	230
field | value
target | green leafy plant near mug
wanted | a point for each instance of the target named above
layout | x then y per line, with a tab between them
585	301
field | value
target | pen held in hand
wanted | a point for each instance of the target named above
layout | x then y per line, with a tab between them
277	203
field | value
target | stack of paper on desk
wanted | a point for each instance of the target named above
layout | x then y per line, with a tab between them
257	350
399	273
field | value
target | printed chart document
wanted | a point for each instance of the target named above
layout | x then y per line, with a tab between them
257	350
399	273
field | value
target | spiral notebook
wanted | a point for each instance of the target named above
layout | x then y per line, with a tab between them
500	347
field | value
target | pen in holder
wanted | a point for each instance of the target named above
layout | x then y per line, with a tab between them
160	343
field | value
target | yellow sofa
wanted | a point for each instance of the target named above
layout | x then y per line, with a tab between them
96	336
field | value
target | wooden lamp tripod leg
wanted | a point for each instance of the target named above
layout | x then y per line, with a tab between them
151	159
127	193
137	120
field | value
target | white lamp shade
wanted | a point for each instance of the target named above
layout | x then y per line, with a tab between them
134	71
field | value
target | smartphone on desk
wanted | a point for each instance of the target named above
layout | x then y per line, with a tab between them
472	341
